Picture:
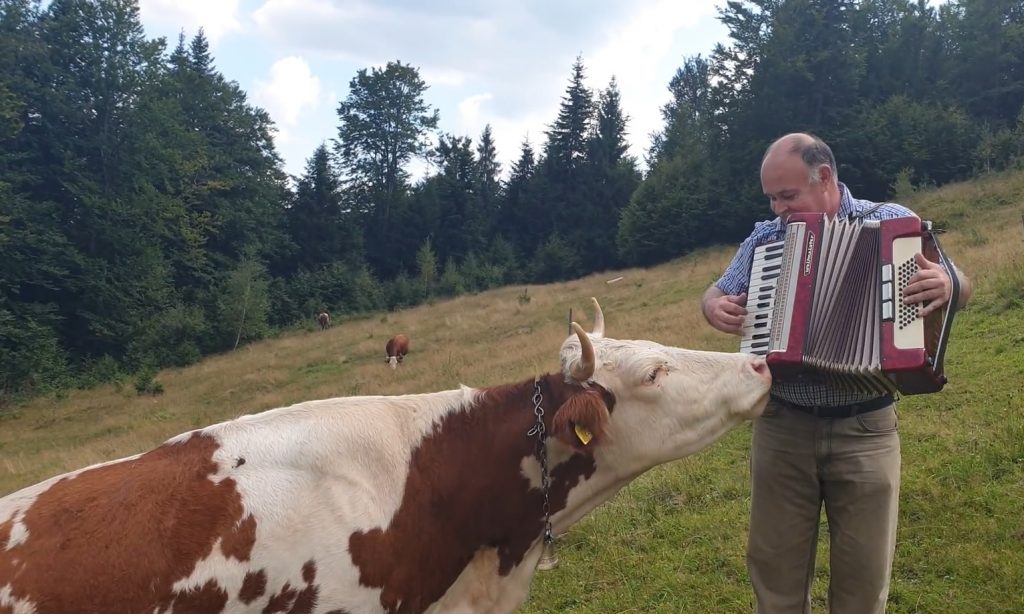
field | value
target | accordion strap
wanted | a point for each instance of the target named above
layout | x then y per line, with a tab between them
954	299
861	215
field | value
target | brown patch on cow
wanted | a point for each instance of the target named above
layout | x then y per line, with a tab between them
116	538
253	587
208	598
336	612
239	542
294	601
306	600
5	533
6	609
465	492
309	571
282	600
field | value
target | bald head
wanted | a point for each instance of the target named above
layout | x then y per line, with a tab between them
798	175
813	151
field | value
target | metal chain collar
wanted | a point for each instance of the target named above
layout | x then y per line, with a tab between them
540	432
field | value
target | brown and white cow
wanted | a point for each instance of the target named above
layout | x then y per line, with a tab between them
416	503
396	349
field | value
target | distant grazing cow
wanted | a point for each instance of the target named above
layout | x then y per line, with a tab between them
396	349
324	319
406	504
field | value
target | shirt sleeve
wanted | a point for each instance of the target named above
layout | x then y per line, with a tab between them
737	276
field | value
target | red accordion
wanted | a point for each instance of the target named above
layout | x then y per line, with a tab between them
828	299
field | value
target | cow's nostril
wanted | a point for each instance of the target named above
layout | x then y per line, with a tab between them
761	368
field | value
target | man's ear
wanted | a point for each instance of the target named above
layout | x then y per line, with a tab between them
581	421
824	172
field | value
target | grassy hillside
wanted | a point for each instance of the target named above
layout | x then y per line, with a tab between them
673	541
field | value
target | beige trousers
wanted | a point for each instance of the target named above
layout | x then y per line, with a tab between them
852	466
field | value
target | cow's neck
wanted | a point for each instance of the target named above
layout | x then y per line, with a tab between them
473	484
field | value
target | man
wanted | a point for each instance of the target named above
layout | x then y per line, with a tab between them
816	443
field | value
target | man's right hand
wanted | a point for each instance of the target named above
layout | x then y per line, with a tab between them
725	312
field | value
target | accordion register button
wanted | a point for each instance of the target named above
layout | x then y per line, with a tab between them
886	310
886	272
886	292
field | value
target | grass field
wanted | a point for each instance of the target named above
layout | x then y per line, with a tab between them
673	541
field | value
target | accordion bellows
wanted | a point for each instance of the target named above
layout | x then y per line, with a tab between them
828	300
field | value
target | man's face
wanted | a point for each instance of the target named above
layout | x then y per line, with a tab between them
785	179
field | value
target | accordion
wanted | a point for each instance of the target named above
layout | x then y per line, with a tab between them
827	302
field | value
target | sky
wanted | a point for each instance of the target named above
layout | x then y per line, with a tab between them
505	63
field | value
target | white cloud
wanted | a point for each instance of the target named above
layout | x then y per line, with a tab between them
443	76
469	113
216	18
292	88
639	55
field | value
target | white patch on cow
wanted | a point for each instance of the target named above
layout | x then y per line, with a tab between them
292	453
18	606
228	574
19	532
529	468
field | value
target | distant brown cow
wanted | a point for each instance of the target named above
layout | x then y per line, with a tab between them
324	319
397	348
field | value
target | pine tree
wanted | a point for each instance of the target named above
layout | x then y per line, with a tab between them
566	148
486	184
612	177
317	222
461	223
523	219
564	181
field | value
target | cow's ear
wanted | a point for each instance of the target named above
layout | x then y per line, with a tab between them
581	421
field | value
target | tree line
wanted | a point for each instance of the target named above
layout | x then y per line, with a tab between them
146	221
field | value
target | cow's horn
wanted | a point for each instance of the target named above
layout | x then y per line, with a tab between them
585	369
598	319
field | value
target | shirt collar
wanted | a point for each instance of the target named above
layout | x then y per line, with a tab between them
845	201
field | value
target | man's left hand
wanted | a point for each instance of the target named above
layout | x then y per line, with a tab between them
930	283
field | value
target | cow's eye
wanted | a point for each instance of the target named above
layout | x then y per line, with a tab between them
652	375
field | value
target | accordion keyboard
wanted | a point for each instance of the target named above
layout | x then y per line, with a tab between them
765	272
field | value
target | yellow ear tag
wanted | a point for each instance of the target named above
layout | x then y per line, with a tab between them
584	435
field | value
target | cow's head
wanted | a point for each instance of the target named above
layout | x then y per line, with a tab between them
393	361
667	402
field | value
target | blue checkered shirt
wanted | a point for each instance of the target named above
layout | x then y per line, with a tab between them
808	389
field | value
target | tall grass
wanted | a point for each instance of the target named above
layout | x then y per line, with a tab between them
673	541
